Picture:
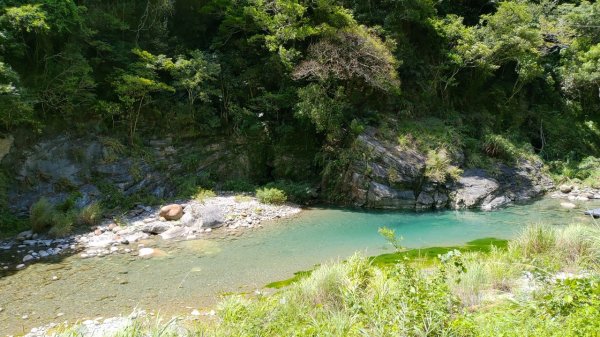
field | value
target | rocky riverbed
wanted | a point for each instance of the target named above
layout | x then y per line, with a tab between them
575	193
192	219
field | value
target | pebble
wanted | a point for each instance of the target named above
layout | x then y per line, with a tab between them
146	252
568	205
27	258
20	266
54	278
195	312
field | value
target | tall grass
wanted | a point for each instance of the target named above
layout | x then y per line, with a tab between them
356	298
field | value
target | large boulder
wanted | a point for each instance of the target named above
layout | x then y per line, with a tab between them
382	175
171	212
472	189
212	216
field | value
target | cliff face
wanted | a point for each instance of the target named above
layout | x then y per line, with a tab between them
380	174
387	176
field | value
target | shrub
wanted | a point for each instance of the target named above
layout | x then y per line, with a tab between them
202	195
534	240
298	192
41	215
507	150
242	198
63	224
439	168
90	215
238	186
271	196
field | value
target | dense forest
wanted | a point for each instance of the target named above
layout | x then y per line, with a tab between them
494	77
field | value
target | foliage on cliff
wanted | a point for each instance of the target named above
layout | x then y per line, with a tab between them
273	69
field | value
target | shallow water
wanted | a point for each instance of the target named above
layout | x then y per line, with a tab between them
193	274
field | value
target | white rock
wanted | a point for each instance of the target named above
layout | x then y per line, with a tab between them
195	312
568	205
27	258
146	252
43	253
20	266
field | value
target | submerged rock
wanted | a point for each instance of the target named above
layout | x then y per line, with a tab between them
145	252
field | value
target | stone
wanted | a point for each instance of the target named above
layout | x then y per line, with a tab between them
195	312
26	235
145	252
20	266
385	197
474	186
173	233
97	232
593	212
568	205
212	216
495	203
112	226
27	258
566	188
155	228
171	212
43	253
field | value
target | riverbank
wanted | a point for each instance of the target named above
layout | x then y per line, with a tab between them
195	274
544	283
213	217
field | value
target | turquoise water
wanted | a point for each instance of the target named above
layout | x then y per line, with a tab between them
192	274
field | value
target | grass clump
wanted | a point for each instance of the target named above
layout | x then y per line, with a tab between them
439	168
298	192
272	195
63	224
41	215
507	150
90	215
202	194
239	198
62	219
238	186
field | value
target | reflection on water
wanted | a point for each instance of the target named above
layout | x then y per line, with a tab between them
192	274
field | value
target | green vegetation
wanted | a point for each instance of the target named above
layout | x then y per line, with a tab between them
271	195
202	195
513	289
41	215
62	219
297	81
90	215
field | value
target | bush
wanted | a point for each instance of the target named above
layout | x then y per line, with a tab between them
297	192
90	215
63	224
242	198
41	215
534	240
439	168
238	186
505	149
202	195
271	196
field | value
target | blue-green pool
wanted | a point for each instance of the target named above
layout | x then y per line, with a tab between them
192	274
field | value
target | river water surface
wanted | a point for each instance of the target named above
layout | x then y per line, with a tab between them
194	274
